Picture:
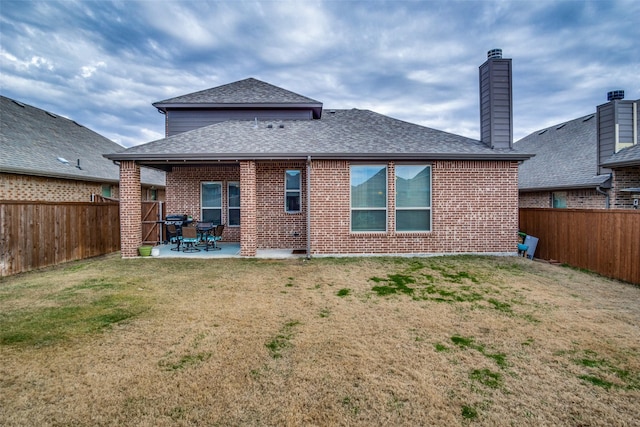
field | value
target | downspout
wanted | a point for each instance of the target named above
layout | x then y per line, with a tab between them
606	194
308	207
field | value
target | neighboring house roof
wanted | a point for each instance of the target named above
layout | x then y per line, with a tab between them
565	157
339	134
629	156
247	93
37	142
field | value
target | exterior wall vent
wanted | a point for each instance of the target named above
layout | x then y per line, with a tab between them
494	54
615	95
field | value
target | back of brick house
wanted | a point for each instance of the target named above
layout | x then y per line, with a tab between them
332	182
592	162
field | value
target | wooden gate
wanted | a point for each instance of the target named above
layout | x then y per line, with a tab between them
152	222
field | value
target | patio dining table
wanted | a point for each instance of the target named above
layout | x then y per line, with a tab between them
205	232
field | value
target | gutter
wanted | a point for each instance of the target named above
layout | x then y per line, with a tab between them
212	157
308	207
606	194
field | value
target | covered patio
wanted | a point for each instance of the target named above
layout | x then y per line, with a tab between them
227	250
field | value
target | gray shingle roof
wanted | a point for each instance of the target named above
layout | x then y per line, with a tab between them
626	157
565	157
339	134
247	91
32	140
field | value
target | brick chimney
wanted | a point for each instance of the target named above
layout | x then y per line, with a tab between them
496	111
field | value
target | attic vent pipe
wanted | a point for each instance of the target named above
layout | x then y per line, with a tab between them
615	95
494	54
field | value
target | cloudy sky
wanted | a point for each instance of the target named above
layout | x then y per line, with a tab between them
102	63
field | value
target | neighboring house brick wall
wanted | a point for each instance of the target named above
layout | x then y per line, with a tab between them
474	210
538	199
46	189
35	188
624	178
130	209
576	199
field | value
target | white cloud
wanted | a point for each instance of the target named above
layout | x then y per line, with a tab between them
87	71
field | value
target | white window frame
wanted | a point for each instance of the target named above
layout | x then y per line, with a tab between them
386	203
202	207
288	192
416	208
229	207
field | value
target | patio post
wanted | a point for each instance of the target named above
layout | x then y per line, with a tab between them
130	209
248	209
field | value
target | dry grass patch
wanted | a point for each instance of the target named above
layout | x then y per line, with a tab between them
353	341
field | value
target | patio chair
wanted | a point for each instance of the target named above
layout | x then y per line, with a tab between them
173	236
189	239
215	237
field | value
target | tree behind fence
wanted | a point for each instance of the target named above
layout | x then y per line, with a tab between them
604	241
39	234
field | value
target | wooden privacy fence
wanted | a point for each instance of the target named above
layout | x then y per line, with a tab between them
604	241
40	234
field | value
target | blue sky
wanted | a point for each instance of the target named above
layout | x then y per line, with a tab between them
102	63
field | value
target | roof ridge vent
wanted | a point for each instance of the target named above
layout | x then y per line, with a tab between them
494	54
18	103
615	95
51	114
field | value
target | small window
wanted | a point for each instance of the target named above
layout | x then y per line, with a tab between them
106	191
413	198
368	198
211	202
293	180
559	199
233	195
153	194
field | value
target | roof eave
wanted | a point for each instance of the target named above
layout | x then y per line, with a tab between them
564	187
621	164
208	105
214	157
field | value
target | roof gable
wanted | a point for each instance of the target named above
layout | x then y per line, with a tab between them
247	91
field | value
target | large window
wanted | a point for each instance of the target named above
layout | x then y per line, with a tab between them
368	198
292	180
233	194
413	198
211	202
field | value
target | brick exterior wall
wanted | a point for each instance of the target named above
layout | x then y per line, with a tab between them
576	199
35	188
130	209
624	178
474	209
183	192
42	189
248	208
474	206
278	229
